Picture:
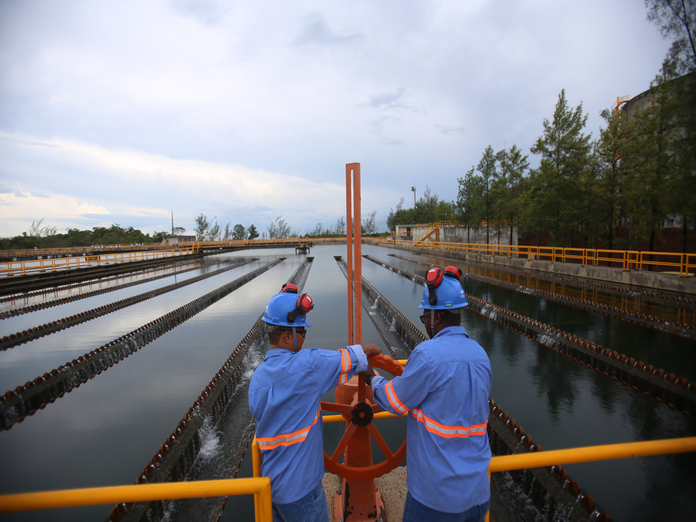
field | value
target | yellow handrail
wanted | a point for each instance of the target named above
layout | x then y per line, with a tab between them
10	268
541	459
259	487
685	263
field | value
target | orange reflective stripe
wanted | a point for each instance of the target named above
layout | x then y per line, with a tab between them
449	432
394	399
345	366
287	439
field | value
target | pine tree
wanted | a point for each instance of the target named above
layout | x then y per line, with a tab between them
470	200
488	170
652	162
611	150
509	185
565	155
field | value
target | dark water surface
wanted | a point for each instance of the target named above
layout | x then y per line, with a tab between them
105	431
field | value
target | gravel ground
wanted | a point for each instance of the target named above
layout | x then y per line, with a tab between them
392	486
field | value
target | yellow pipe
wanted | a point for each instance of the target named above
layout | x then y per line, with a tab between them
592	453
380	415
141	493
256	467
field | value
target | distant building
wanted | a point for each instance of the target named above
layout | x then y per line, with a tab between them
175	240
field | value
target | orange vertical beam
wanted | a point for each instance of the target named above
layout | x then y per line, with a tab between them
349	252
354	251
357	249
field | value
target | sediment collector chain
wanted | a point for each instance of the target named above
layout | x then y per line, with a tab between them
35	395
31	334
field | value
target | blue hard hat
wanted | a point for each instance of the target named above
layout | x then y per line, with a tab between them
448	291
288	309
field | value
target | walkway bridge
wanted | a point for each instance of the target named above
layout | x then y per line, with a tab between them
98	250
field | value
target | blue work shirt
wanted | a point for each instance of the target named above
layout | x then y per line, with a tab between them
445	387
284	396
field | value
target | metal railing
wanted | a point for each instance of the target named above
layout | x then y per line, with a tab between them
543	458
684	264
548	458
12	268
259	487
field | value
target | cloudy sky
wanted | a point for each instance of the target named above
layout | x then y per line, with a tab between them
125	111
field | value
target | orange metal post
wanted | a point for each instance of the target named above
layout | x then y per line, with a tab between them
357	500
357	249
349	252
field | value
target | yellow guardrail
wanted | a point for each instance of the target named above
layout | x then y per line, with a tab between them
259	487
683	263
541	459
625	450
12	268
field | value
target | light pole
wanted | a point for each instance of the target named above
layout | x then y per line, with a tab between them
413	189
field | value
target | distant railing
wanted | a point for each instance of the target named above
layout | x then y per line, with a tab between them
684	264
25	267
239	243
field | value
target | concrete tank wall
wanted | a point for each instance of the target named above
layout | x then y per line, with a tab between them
459	234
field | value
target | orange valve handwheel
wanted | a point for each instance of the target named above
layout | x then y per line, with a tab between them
359	416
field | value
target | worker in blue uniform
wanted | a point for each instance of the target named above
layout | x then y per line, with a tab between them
284	398
444	389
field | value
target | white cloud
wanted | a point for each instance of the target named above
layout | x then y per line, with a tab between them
188	187
245	109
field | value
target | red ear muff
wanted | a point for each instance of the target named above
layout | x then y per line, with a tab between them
453	271
433	279
289	288
304	304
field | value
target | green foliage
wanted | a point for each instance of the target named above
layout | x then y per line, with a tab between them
201	228
610	151
565	157
239	233
368	225
428	209
114	235
507	188
652	164
209	230
321	231
279	229
676	19
470	198
252	233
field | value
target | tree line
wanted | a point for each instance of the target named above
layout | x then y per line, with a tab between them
45	236
210	230
612	192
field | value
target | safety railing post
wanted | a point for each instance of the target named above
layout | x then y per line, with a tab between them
256	473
